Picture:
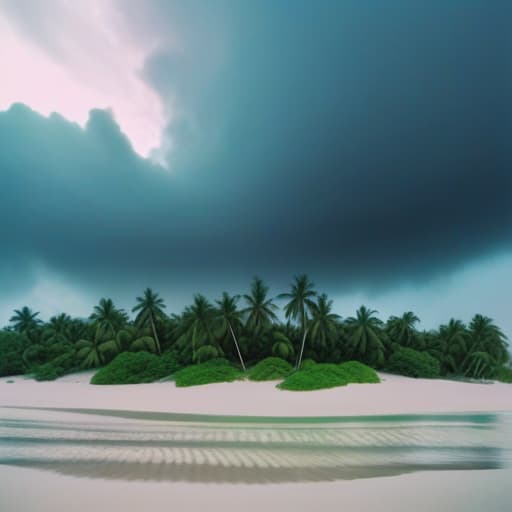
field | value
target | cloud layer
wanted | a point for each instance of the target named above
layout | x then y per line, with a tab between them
366	145
70	57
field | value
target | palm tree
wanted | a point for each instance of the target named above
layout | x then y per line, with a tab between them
282	346
454	338
480	365
25	320
129	338
485	336
108	318
56	330
150	309
402	330
90	351
230	318
300	302
76	329
324	324
59	324
197	323
260	310
366	336
146	343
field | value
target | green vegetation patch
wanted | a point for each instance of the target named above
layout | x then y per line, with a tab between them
412	363
48	371
504	374
317	376
11	349
216	370
271	368
57	367
307	363
359	373
136	368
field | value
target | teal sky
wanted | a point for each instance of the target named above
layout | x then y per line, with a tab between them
189	146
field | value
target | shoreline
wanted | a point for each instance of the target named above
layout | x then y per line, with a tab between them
395	395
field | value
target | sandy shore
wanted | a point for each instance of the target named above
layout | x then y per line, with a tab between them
447	491
122	462
394	395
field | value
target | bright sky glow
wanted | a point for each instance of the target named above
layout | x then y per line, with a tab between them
91	61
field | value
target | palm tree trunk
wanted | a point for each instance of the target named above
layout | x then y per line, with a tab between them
155	335
471	367
302	348
194	344
479	369
237	347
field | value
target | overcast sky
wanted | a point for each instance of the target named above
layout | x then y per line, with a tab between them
189	146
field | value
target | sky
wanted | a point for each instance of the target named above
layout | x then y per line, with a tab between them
189	146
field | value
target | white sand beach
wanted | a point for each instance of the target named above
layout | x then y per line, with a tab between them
119	463
394	395
31	490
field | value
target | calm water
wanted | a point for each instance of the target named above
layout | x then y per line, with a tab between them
132	445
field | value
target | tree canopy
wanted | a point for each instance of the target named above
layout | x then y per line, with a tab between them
307	326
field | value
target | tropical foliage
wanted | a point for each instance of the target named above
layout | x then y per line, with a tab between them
359	373
137	367
366	337
271	368
221	338
216	370
407	361
327	375
317	376
299	307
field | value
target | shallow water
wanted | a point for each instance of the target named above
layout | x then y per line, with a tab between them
131	445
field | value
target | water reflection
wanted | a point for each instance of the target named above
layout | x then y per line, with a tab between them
159	446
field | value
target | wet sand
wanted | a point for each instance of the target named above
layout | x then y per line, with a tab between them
133	445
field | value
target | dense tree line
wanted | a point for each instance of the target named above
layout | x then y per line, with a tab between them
246	329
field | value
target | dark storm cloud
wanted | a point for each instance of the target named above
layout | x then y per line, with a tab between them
365	144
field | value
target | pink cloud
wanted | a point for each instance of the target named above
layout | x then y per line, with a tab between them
75	57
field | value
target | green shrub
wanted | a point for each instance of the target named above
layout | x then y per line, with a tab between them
67	361
135	368
48	371
282	346
410	362
504	374
216	370
359	373
34	355
207	353
57	349
170	361
59	366
317	376
12	346
271	368
307	363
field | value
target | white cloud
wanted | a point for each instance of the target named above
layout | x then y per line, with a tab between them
70	57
